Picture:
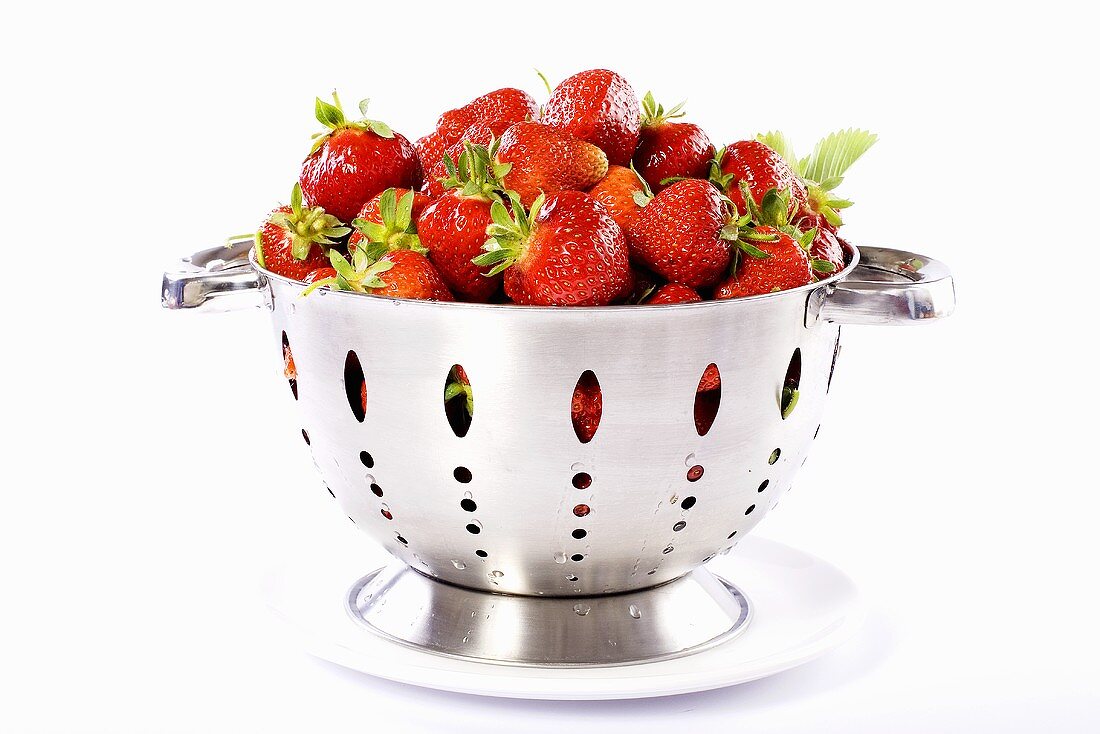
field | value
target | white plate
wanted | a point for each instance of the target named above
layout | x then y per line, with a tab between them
802	608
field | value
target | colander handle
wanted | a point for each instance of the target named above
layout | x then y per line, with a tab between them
217	279
891	287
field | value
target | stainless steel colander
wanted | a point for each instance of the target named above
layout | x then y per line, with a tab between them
517	542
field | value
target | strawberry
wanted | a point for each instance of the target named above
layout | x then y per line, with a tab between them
779	264
545	160
711	379
599	107
454	226
641	284
823	170
669	150
388	222
826	247
623	193
408	274
480	133
755	165
684	234
511	105
353	161
430	150
320	274
567	251
673	293
293	241
586	408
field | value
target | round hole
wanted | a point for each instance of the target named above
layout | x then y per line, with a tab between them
763	486
679	526
582	480
481	554
367	459
581	510
376	489
571	577
386	514
731	535
695	472
577	557
468	505
463	474
401	540
708	398
668	549
774	457
817	431
751	508
688	502
305	436
473	528
330	491
650	573
579	533
458	400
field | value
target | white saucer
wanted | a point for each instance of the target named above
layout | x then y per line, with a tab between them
802	608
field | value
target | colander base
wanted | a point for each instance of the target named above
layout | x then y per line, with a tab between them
677	618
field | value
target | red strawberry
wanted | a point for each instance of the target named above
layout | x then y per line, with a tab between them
326	273
293	241
784	264
623	193
567	251
547	161
399	274
388	222
670	149
454	226
754	165
480	133
826	248
430	150
711	379
684	234
600	107
586	408
511	105
641	284
353	161
673	293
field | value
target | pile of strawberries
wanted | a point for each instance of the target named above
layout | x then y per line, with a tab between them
589	200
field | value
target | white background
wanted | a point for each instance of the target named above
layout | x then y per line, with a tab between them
152	469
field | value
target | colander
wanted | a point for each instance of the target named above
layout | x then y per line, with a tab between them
515	541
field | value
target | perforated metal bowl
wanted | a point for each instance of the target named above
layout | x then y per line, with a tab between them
519	505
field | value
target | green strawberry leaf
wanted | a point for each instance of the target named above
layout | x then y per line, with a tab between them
835	153
778	142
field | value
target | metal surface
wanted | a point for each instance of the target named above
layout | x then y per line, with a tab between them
217	279
519	505
673	619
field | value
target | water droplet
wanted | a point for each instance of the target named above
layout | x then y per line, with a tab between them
581	609
559	557
458	564
635	612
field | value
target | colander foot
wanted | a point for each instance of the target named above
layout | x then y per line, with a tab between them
677	618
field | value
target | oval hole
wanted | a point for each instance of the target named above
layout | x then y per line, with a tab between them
708	398
789	396
458	400
587	406
355	386
290	372
832	366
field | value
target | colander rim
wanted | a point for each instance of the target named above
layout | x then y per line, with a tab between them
850	249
